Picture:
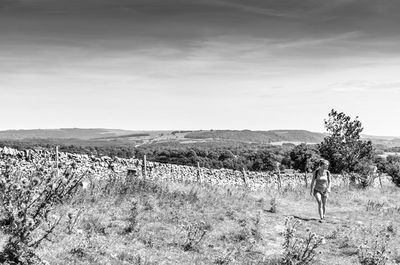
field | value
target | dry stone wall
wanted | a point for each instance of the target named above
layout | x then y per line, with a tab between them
106	168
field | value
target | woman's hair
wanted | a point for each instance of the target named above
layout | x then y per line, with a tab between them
322	162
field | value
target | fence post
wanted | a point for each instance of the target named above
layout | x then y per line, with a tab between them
57	161
198	172
305	179
380	179
244	176
173	176
144	167
278	171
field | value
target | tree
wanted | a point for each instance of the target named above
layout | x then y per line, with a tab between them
304	157
343	148
262	160
392	168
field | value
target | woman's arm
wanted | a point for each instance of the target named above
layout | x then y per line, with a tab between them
329	181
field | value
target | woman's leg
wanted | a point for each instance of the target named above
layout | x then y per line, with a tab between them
324	199
318	197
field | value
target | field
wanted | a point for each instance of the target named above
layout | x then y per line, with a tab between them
177	223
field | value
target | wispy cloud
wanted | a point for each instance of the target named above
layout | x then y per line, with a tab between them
248	6
366	86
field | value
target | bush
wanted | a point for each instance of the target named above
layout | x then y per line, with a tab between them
194	235
393	169
299	250
374	252
26	214
366	174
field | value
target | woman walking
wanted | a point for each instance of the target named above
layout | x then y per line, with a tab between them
321	187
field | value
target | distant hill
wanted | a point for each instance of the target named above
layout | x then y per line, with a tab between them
144	137
68	133
259	136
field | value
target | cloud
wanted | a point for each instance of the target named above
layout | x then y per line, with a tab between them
365	86
265	56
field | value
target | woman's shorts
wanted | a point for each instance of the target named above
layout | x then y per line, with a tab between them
323	194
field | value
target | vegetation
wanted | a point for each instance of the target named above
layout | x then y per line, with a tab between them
149	222
343	147
258	136
232	155
27	215
304	157
299	250
392	168
46	217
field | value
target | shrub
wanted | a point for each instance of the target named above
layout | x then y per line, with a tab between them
374	252
393	169
273	204
365	174
298	250
26	212
374	206
132	218
72	220
194	235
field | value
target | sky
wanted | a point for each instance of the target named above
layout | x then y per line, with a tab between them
199	64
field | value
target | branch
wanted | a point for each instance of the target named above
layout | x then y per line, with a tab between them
46	235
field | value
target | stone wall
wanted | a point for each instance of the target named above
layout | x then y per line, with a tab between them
104	168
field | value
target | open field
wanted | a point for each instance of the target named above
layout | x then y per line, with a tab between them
172	218
177	223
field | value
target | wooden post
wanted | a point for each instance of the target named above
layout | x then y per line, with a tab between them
380	179
57	161
173	176
305	179
198	172
244	176
144	167
278	171
279	180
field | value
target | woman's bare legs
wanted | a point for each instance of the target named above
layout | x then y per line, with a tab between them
324	199
321	210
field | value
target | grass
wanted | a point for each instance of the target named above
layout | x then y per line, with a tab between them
177	223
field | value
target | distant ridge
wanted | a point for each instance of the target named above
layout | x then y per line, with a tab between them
259	136
63	133
183	136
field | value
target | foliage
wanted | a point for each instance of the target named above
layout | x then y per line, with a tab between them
226	154
299	250
194	235
343	147
274	205
380	163
304	157
132	219
392	168
366	173
374	252
26	211
374	206
254	157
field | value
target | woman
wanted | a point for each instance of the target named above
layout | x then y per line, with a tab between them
321	186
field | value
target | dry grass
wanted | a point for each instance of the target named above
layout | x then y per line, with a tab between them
175	223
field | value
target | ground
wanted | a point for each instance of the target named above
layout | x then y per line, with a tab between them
178	223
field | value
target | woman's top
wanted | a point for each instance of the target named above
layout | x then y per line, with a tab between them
321	181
